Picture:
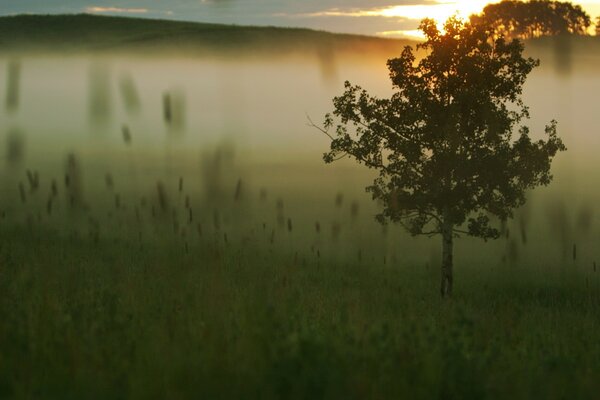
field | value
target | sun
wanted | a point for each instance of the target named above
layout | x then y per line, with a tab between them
439	10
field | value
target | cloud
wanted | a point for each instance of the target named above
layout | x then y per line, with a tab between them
439	10
117	10
403	34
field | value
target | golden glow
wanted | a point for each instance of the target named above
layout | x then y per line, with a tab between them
407	34
116	10
440	10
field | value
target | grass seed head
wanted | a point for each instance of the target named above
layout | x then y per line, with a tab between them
15	147
22	192
13	79
238	190
354	209
126	134
262	195
163	201
339	200
108	179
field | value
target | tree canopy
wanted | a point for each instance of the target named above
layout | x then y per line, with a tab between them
534	18
443	144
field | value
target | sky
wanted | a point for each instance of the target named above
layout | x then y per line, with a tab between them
393	18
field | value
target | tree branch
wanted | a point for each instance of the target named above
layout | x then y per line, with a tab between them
313	125
460	231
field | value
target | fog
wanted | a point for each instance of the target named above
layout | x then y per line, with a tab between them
223	126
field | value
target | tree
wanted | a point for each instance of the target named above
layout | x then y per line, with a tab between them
443	143
598	26
535	18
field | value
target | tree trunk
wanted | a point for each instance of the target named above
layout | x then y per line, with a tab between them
447	249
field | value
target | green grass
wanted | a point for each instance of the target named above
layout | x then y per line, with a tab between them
91	33
130	319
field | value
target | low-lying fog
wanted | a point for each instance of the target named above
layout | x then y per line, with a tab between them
223	123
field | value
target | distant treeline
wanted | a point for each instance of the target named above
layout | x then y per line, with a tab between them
83	32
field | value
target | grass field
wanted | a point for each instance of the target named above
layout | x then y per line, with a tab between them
218	317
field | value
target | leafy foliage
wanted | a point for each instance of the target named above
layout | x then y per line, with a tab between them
535	18
443	143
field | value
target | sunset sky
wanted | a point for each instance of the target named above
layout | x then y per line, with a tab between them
372	17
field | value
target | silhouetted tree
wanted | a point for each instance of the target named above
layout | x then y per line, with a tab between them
443	143
535	18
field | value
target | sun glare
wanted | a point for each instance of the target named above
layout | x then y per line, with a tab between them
439	10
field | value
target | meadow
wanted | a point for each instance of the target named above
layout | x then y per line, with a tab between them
219	317
169	230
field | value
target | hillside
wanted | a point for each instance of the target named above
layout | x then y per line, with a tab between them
91	33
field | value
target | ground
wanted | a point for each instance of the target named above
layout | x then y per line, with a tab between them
86	318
